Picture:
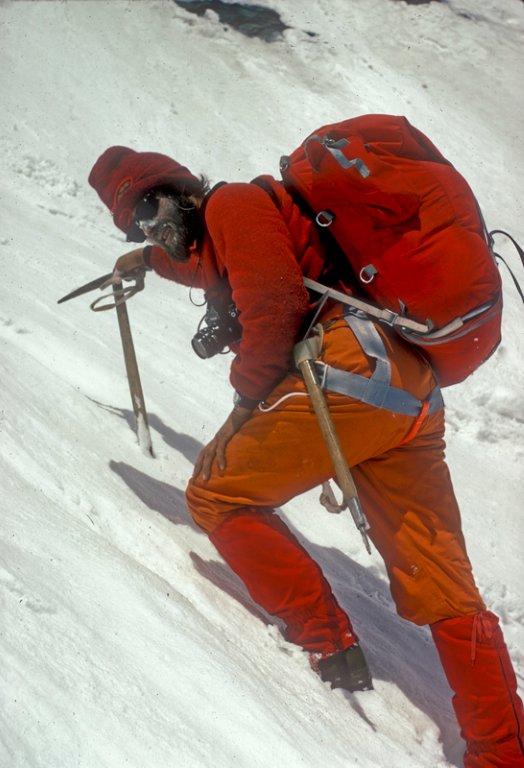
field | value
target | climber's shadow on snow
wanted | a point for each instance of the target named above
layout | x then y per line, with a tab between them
398	651
181	442
223	577
161	497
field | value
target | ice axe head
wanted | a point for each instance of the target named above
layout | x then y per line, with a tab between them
111	278
120	294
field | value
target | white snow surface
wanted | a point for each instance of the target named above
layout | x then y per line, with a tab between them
124	639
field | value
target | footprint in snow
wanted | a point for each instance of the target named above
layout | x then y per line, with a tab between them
14	586
10	324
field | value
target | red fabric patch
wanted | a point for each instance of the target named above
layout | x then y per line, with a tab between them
282	577
479	670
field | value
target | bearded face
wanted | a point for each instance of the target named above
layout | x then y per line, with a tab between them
169	221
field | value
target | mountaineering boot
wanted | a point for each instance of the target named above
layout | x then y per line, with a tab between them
479	670
346	669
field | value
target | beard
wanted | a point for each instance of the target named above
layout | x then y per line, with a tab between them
177	231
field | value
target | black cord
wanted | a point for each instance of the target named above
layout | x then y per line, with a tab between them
498	256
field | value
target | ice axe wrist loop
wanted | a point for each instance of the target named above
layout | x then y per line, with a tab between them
124	293
138	275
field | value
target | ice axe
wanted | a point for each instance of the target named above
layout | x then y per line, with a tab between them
138	275
306	353
120	296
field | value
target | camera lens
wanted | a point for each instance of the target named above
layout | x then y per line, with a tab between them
205	343
221	331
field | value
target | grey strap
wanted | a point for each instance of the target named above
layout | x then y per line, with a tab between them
384	315
334	147
378	385
391	398
375	390
371	342
411	330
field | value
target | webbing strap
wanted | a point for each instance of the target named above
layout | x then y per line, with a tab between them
390	399
375	390
384	315
355	162
334	147
371	342
378	385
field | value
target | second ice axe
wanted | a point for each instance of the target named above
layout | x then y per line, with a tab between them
119	296
133	375
306	353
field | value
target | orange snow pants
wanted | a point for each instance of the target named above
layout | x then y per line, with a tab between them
403	484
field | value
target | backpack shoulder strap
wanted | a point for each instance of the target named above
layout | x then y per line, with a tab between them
264	184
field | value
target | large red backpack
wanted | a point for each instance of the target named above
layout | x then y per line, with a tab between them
412	231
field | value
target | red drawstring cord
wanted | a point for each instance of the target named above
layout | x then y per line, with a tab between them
481	625
415	427
474	638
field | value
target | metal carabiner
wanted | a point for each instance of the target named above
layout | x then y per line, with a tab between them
324	218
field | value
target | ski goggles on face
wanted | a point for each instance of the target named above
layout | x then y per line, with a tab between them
146	210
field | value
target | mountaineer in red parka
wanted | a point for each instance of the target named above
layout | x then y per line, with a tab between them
251	245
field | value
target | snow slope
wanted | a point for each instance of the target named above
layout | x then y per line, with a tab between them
124	639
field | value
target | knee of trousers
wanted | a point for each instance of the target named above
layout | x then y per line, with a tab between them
423	598
208	508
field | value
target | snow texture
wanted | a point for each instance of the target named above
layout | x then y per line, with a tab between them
124	639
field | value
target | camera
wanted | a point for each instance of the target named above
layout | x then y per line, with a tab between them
221	329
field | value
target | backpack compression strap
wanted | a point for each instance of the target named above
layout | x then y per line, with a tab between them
386	316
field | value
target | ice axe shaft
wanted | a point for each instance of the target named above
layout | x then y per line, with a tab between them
306	352
133	375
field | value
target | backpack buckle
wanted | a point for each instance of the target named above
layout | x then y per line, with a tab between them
389	317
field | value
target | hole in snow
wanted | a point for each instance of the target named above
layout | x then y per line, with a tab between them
249	20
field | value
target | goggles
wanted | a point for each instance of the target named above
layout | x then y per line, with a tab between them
155	211
146	210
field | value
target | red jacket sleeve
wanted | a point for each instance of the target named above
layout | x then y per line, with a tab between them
252	242
186	273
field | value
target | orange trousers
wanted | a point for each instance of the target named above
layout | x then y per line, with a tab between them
405	488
